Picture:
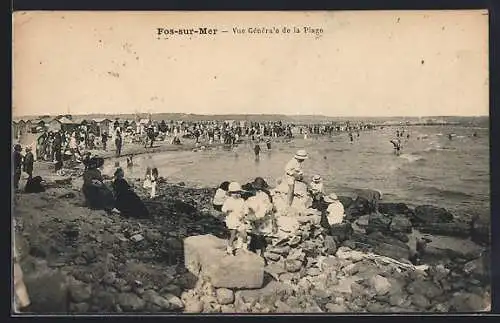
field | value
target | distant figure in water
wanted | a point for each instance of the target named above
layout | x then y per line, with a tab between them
397	133
256	150
397	146
351	137
450	136
268	143
474	134
408	136
358	134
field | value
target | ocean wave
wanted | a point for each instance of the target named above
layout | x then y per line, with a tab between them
411	157
444	193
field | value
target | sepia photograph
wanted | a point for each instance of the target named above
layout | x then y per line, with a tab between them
250	162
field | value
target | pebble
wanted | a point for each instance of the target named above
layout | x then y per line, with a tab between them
380	284
336	308
79	307
153	297
80	293
175	302
130	302
225	296
193	306
420	301
292	265
172	289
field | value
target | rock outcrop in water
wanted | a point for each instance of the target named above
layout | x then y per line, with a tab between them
98	263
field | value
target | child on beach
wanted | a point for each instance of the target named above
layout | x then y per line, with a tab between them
316	187
236	210
220	196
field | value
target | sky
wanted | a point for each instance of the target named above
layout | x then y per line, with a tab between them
364	63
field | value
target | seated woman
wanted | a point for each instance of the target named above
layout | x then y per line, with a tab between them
220	196
127	202
34	185
97	195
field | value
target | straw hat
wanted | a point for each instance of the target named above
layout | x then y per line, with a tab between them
301	155
234	187
332	197
316	178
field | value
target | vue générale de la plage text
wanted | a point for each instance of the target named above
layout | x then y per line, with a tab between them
169	32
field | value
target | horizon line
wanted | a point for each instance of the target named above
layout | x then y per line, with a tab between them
248	114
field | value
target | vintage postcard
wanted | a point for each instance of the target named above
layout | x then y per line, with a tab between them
250	162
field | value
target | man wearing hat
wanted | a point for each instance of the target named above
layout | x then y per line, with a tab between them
293	172
28	162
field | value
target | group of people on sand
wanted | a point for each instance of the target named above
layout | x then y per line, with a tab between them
258	215
120	198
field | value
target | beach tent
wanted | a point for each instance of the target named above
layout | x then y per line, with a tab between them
101	125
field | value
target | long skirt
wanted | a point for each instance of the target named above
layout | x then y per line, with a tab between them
98	198
130	205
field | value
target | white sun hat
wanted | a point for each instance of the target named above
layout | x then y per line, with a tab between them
301	154
234	187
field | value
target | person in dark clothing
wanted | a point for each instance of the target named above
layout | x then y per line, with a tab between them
18	164
86	160
28	162
268	144
151	137
97	195
34	185
256	150
118	143
104	139
127	201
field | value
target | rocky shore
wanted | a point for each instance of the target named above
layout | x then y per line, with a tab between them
98	263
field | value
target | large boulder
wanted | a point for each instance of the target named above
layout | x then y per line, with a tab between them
481	231
400	223
378	222
46	300
431	214
346	201
453	229
205	256
393	208
468	302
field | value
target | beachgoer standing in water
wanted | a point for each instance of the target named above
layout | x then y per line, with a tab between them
104	139
256	150
268	144
293	172
118	142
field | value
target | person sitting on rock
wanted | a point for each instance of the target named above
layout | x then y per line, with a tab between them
236	210
220	196
34	185
335	224
97	195
127	201
335	210
316	187
260	216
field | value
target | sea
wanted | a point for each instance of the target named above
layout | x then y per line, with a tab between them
431	169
